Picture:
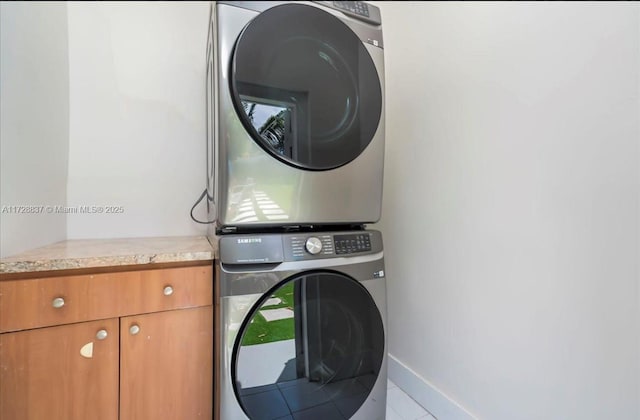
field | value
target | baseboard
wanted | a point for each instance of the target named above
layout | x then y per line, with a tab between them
431	398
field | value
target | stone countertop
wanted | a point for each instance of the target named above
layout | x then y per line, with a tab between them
90	253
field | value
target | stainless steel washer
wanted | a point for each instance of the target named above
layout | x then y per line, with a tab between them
295	94
301	323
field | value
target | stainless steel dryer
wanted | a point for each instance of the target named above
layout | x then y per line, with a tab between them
301	324
295	96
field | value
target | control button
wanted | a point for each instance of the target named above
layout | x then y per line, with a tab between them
350	244
313	245
356	7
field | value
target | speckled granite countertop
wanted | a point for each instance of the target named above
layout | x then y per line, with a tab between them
89	253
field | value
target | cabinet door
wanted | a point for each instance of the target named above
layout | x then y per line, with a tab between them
68	372
166	365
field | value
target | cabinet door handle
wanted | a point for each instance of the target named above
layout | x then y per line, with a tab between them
134	329
101	335
57	302
168	290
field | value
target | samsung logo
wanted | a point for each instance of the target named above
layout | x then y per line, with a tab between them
249	240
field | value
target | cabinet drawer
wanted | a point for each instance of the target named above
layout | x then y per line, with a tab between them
42	302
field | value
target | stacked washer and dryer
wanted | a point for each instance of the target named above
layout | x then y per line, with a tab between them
295	104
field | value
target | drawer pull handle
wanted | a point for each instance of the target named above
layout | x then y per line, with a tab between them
101	335
168	291
57	302
134	329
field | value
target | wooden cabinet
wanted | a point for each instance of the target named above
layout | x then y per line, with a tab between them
44	376
126	345
41	302
167	357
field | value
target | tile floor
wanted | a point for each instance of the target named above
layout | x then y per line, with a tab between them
302	399
253	373
400	406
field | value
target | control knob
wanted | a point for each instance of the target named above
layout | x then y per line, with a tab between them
313	245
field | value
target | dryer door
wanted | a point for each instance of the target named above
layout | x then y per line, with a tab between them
305	87
311	348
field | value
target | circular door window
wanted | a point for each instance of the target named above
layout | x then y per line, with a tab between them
305	87
311	348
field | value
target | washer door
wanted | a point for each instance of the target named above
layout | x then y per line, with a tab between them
305	87
311	348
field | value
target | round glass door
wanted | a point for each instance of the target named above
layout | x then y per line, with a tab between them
305	87
312	348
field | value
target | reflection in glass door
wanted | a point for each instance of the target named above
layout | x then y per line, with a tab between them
303	63
312	347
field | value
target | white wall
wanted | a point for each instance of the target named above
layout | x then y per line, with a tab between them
511	208
34	122
137	127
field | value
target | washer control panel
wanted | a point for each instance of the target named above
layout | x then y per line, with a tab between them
352	243
313	245
359	8
318	245
274	248
307	246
